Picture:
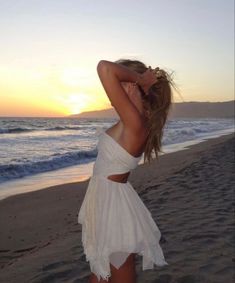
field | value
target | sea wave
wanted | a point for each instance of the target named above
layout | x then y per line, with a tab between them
22	130
24	167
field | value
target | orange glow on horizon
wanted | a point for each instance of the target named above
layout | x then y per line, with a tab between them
51	92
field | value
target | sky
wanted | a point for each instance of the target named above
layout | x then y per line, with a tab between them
49	50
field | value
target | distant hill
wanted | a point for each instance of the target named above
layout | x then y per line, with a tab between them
178	110
203	109
105	113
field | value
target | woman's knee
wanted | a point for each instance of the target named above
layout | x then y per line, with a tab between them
126	272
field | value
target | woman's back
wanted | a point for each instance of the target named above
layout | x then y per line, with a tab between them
113	158
132	144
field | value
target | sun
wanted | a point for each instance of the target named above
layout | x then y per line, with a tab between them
77	102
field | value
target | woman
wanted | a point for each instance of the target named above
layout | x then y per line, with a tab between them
116	223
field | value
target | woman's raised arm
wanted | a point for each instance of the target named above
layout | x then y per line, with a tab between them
111	75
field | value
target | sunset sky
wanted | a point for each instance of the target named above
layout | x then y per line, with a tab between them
50	49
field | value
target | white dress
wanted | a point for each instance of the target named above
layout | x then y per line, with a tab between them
115	221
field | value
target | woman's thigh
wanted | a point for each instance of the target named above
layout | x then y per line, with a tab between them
126	273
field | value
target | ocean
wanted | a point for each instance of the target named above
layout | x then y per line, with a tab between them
39	152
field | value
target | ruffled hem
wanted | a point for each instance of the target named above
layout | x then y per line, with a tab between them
114	220
100	265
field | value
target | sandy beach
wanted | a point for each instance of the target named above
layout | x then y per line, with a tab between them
189	194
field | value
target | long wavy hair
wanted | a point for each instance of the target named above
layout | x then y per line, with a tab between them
157	104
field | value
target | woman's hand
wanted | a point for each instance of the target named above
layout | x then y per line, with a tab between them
147	79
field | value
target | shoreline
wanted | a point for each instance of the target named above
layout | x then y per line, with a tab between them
193	146
188	193
82	172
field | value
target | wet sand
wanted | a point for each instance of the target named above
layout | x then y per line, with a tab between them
189	193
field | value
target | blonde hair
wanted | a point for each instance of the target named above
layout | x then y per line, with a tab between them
157	104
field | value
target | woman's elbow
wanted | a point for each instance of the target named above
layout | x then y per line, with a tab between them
102	64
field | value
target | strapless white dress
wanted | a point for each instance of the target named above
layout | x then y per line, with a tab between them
115	221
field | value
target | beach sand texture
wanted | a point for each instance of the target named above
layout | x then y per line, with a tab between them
191	198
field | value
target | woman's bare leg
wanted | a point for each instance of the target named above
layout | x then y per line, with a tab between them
126	273
93	279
